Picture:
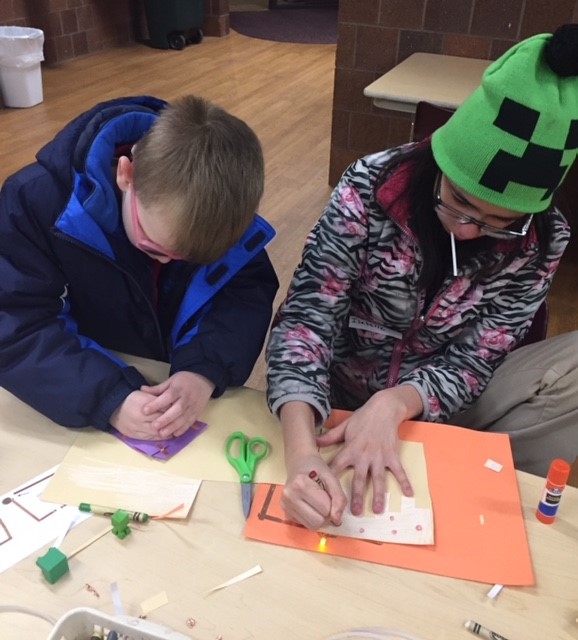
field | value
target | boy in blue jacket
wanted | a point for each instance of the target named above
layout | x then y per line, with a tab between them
135	230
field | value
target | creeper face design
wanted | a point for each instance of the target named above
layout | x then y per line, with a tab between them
539	166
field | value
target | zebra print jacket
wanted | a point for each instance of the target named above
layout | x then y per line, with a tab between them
354	321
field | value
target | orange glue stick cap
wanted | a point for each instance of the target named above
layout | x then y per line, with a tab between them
559	472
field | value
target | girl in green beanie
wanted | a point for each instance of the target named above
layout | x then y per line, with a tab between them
419	281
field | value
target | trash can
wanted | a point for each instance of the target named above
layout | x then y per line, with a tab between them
172	24
21	52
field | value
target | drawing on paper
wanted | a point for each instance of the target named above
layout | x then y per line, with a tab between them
27	523
24	502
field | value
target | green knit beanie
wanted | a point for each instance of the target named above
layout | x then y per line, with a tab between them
514	139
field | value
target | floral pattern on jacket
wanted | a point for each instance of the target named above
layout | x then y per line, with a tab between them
354	321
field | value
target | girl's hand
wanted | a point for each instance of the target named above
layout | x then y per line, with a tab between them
370	446
313	503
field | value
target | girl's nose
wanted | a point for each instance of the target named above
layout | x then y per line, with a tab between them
467	231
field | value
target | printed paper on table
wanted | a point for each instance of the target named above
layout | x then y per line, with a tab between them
27	523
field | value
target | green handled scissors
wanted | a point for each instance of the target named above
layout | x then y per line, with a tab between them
247	453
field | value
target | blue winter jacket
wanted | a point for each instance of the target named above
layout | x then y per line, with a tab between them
72	286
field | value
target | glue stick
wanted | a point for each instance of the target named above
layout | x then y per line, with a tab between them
555	482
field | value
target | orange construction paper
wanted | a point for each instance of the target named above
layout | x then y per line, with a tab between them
479	524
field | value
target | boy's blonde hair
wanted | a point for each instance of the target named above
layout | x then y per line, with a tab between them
203	167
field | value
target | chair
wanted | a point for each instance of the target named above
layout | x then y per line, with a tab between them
429	117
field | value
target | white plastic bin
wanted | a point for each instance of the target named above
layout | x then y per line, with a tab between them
79	624
21	52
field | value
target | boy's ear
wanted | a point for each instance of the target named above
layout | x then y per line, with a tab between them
124	173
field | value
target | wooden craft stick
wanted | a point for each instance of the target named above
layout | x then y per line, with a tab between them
88	542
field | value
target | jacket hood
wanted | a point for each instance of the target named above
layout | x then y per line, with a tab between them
75	139
80	158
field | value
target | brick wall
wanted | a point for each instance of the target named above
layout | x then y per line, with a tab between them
74	28
216	17
375	35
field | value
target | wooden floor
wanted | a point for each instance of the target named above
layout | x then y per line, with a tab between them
284	91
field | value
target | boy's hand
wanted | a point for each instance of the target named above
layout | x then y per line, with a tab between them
180	400
130	419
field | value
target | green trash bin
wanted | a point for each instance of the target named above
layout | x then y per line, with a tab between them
172	24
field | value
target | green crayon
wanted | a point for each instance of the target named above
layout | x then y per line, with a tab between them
135	516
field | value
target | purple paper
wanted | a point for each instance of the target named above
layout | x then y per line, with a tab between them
163	449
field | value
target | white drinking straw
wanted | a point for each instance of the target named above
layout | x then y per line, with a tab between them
454	259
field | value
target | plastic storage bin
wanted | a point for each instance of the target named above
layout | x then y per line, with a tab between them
21	52
172	24
79	624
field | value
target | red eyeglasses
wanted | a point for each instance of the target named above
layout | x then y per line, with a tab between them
142	242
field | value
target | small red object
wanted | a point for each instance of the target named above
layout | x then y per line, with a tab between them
315	477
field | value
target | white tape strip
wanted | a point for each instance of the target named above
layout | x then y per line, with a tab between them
116	599
495	590
243	576
493	465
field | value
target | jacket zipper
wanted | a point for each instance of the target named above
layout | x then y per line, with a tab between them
421	319
99	255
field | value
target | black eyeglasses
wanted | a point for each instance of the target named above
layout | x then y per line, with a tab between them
506	233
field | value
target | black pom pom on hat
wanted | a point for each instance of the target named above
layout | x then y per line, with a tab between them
562	51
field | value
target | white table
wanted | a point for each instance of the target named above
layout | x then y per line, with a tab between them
443	80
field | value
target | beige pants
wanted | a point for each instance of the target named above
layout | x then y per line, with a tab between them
533	397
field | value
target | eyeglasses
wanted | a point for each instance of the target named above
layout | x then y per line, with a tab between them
142	242
505	233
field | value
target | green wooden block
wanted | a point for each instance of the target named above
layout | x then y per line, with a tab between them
54	564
